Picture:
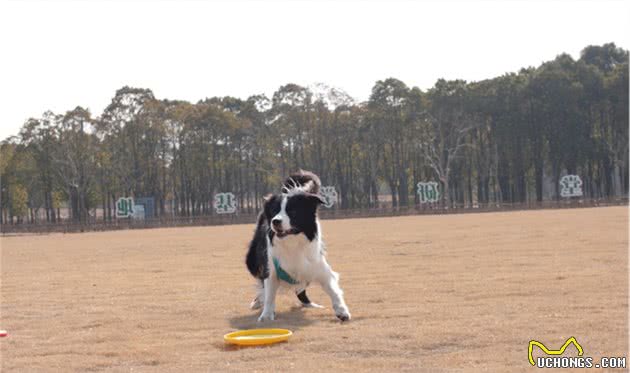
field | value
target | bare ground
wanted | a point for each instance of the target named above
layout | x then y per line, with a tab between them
429	293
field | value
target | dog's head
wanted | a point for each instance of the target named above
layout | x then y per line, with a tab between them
293	213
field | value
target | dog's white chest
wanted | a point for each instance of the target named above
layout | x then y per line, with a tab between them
298	257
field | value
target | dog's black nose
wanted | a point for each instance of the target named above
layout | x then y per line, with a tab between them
276	222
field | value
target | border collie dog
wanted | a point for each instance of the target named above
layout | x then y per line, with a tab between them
287	250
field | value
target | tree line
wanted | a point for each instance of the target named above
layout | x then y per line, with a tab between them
495	140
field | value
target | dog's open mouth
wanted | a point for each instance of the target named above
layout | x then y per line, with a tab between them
282	234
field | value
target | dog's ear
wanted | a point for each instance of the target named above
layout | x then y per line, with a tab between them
315	198
267	197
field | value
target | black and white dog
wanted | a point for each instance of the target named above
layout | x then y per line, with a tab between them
287	250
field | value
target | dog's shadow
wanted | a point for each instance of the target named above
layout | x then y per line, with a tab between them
293	319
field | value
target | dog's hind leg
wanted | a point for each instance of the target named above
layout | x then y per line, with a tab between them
259	300
301	294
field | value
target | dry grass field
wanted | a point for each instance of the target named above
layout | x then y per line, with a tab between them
445	293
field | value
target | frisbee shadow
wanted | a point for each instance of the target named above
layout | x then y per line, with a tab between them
229	347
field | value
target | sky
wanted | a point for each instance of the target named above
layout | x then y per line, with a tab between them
56	55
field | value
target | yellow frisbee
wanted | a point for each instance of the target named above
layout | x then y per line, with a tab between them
254	337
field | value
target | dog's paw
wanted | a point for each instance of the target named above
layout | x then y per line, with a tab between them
342	313
343	316
311	305
256	304
267	316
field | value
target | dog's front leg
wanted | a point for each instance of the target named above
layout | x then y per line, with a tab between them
330	284
269	306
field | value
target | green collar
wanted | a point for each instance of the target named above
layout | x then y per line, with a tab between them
282	274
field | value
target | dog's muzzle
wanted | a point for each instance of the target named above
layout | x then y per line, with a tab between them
282	234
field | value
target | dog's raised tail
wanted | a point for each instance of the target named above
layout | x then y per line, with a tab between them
302	180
